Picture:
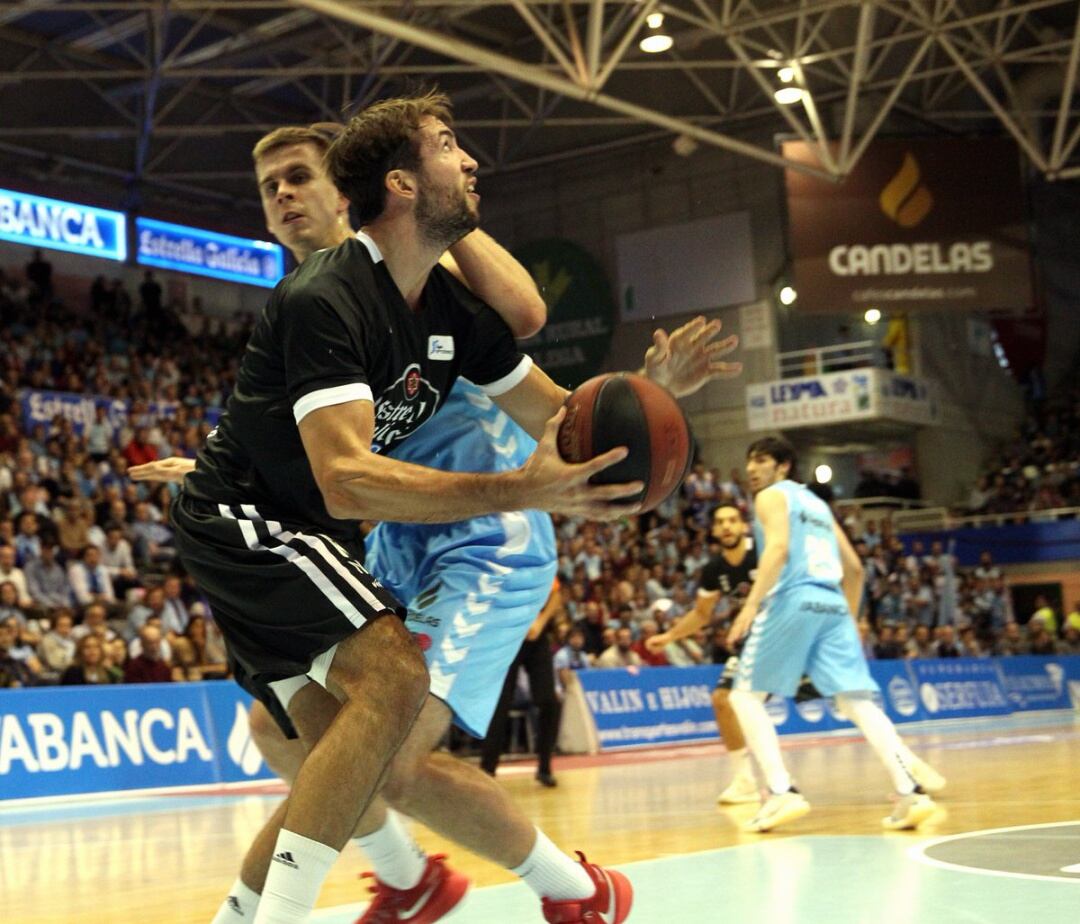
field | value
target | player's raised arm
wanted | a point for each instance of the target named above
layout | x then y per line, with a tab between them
771	510
853	572
489	270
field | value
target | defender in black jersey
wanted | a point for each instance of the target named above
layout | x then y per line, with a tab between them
358	355
728	574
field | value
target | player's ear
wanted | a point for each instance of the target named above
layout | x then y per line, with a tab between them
401	183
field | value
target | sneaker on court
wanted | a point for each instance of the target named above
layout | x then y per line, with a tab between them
610	903
779	809
925	775
435	895
909	812
740	790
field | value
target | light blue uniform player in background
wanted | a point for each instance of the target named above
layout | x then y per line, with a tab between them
472	588
800	616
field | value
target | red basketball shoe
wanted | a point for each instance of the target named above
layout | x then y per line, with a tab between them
435	895
610	904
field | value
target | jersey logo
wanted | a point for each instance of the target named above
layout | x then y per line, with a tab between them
440	346
400	409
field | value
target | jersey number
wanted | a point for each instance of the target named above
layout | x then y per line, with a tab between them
821	559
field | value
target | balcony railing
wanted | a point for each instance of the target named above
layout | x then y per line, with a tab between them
835	358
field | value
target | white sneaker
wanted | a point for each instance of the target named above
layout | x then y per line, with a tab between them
743	788
925	775
909	812
779	809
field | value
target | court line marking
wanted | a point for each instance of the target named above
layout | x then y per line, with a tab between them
917	853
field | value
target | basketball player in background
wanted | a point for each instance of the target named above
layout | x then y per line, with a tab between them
800	618
298	218
728	574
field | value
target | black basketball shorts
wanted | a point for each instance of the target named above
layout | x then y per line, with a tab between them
281	594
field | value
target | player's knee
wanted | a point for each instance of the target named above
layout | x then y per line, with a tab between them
382	661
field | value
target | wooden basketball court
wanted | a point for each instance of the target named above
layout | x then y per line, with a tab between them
171	858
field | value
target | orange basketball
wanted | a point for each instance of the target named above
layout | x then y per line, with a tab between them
622	409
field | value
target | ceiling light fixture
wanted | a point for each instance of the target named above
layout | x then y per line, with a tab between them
788	295
788	95
786	74
657	41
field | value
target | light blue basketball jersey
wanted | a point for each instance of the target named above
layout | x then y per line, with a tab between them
468	434
474	587
813	558
804	624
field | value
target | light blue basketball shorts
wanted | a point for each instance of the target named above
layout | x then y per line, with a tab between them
472	590
806	630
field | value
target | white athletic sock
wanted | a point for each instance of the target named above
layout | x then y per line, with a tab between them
742	763
295	877
550	873
881	735
761	738
239	906
397	858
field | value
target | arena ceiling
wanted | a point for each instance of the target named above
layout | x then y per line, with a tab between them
165	98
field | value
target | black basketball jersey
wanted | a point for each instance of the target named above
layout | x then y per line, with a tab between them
338	329
720	576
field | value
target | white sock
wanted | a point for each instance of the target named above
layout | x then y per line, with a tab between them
761	738
881	735
239	906
397	858
295	877
740	760
550	873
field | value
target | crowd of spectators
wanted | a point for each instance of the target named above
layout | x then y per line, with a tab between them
88	586
1040	468
90	591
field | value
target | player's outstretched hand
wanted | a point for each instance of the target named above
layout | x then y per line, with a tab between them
657	643
171	469
552	484
690	356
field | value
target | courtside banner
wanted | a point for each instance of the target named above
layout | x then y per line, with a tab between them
43	407
208	253
647	706
913	226
1035	682
62	741
56	225
954	688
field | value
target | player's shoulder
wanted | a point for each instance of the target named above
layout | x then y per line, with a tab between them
336	278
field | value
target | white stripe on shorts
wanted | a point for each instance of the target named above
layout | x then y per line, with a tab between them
335	596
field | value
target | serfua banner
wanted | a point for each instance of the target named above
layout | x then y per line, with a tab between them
912	226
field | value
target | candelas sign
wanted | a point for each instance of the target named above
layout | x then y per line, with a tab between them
919	223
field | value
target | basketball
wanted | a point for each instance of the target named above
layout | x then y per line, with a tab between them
622	409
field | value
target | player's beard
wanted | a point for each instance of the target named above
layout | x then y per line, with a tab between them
444	217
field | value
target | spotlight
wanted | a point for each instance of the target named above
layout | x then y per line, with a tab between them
655	43
786	74
788	95
658	41
872	315
823	474
788	295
